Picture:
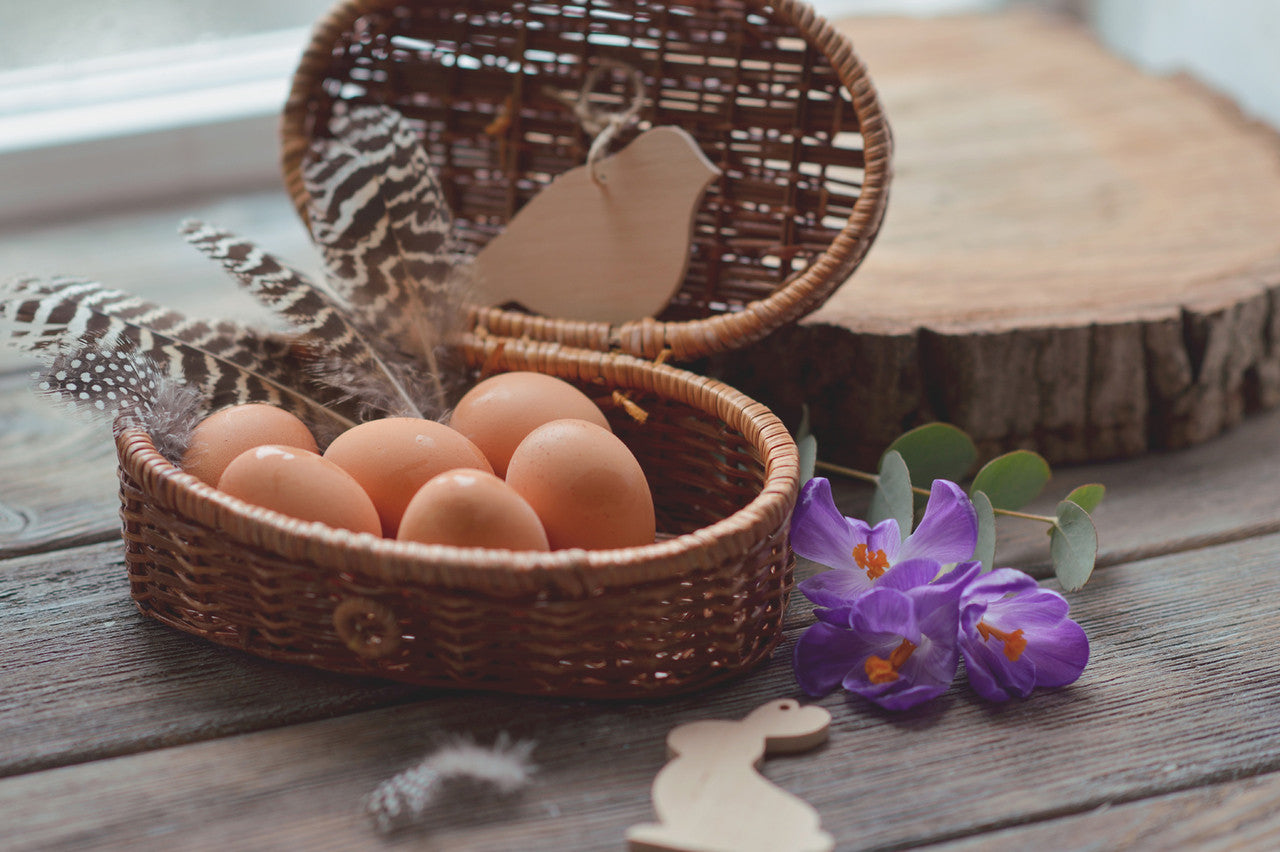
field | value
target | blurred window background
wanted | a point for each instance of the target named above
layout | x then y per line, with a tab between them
134	98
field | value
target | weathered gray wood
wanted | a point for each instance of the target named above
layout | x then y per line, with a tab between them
85	676
1180	692
1234	815
1077	257
58	485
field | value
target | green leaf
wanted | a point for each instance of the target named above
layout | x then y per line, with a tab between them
1012	480
1073	544
1087	497
985	552
935	451
808	447
892	498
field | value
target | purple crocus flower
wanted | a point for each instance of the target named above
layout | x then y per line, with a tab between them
1015	636
860	554
894	644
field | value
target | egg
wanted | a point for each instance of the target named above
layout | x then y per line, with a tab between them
585	485
225	434
393	458
301	485
472	508
500	411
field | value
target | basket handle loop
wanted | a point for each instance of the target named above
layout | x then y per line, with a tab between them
603	125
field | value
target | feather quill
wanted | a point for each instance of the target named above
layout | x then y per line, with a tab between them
227	363
381	373
378	213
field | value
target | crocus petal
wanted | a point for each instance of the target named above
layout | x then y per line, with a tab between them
837	587
1058	654
909	574
999	583
933	664
887	537
824	655
885	615
901	694
1029	610
948	532
837	616
819	532
992	675
961	576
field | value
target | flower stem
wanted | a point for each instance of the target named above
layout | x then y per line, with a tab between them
875	480
848	471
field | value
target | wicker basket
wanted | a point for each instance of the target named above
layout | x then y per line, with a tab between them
804	150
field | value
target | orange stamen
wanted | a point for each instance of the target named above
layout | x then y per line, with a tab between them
1014	642
880	670
874	563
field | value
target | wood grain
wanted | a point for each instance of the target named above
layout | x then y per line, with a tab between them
1077	258
85	676
1230	816
58	485
1179	693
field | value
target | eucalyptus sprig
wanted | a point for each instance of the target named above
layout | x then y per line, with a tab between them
1002	486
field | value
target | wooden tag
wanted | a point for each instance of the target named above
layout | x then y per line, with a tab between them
710	798
611	251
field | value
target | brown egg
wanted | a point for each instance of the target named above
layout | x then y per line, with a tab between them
586	486
500	411
471	508
301	485
393	458
225	434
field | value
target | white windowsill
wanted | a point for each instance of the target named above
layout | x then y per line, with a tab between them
149	126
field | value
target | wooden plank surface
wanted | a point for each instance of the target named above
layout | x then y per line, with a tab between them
58	485
1229	816
1180	693
86	676
116	731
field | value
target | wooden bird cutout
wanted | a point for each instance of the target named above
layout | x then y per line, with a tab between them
710	798
609	250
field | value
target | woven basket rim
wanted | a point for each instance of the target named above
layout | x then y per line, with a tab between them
484	569
647	337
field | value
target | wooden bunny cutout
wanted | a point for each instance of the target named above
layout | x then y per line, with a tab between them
710	798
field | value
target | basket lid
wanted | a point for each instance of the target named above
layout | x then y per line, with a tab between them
772	94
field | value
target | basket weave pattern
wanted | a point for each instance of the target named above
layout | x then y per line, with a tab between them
706	602
780	103
772	94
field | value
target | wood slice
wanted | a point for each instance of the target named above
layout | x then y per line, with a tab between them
1078	258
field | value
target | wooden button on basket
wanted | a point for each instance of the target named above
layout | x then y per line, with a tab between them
781	105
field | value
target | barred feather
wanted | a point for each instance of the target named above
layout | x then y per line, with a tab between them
379	372
126	389
227	363
379	215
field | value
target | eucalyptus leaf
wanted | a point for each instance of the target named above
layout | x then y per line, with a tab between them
1073	544
1087	497
808	448
985	552
1012	480
892	498
936	451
